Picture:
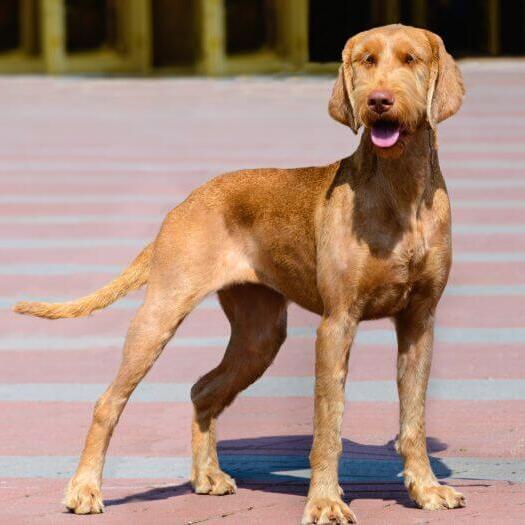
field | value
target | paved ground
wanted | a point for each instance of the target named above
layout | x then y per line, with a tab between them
88	168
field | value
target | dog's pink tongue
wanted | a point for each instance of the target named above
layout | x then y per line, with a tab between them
384	136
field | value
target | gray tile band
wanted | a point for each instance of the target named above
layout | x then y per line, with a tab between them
461	290
72	269
210	303
264	468
488	229
505	204
475	290
272	387
480	336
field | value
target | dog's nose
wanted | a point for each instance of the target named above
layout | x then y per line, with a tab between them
380	101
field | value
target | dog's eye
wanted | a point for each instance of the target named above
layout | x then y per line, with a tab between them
369	60
409	59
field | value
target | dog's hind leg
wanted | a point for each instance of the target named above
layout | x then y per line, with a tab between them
257	316
148	334
185	268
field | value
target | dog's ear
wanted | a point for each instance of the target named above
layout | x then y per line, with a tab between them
445	89
341	106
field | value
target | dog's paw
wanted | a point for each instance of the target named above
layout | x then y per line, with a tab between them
327	510
216	483
437	497
83	498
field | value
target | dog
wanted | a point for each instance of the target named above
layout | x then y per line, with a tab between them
363	238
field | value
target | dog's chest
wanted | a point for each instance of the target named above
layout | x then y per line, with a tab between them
388	281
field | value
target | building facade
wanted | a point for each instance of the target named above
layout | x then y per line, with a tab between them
224	37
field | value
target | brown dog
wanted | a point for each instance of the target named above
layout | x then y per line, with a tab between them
363	238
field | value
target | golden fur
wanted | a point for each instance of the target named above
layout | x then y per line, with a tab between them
363	238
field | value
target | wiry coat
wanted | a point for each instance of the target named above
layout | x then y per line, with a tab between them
363	238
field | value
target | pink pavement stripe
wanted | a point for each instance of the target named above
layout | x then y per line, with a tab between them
105	255
465	273
113	259
131	229
110	174
53	285
453	311
494	242
457	164
80	208
171	501
450	156
488	215
485	194
146	227
122	250
503	215
198	170
179	187
454	428
186	364
494	311
113	322
483	174
201	320
451	137
118	160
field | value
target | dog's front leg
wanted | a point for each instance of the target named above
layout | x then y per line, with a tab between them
324	504
415	338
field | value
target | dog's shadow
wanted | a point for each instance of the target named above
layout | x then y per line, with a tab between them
280	464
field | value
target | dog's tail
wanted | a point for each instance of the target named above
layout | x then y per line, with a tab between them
132	278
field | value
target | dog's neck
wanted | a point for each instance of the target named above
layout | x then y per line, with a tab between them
409	176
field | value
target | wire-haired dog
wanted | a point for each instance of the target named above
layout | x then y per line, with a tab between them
363	238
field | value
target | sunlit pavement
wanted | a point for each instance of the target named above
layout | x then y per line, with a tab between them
88	168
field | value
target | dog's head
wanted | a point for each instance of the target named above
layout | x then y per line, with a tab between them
393	80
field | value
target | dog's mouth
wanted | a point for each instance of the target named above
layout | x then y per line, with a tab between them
385	133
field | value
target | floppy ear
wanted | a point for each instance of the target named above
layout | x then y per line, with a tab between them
340	106
445	89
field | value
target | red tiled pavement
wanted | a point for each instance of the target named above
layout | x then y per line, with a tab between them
171	501
255	426
68	140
